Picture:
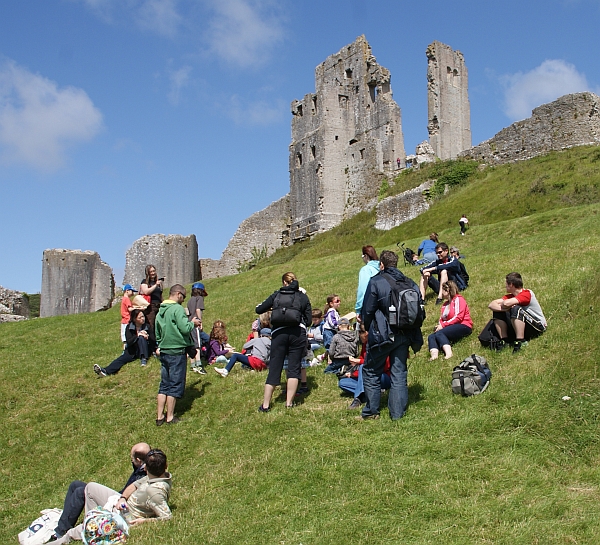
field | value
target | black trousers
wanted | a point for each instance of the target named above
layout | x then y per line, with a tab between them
290	342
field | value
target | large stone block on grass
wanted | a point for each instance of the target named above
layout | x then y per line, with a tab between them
75	281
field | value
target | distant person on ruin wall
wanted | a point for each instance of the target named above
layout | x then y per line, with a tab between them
398	162
151	288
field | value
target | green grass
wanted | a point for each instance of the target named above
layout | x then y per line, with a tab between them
515	465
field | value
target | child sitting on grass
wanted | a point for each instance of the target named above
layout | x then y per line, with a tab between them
218	345
258	352
344	346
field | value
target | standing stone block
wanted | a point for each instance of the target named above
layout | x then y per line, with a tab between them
75	281
398	209
174	256
449	123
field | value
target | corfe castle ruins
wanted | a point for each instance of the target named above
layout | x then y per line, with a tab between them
346	138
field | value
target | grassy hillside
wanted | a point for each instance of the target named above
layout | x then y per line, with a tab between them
515	465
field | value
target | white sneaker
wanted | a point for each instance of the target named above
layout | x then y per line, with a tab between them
222	372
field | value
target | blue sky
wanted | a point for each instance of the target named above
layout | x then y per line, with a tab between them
121	118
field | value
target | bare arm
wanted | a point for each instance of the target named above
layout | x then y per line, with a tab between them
501	305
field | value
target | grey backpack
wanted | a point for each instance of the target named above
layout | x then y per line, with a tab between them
471	376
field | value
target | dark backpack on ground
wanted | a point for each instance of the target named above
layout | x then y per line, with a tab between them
286	311
407	309
471	376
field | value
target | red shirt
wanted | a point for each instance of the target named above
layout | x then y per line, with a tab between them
125	306
524	297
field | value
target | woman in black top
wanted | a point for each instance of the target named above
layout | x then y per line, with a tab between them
152	286
291	315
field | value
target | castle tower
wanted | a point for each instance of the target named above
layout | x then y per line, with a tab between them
449	111
345	138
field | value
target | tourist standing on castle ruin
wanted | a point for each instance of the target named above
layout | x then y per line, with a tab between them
173	336
291	315
368	271
151	287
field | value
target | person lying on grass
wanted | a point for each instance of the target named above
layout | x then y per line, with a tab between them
145	499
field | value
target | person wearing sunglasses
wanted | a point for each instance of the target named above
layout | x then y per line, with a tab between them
446	268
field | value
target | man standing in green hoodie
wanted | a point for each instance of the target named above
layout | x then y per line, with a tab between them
173	337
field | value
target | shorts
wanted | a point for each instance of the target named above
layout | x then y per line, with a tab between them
172	374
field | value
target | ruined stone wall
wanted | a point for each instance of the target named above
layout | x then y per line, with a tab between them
449	111
398	209
75	281
345	138
571	120
174	256
268	228
14	305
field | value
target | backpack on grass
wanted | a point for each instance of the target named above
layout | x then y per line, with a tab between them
471	376
41	529
489	337
407	309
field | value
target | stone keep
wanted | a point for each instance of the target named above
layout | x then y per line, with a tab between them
174	256
14	305
75	281
345	137
448	106
571	120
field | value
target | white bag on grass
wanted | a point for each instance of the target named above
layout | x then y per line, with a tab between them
41	529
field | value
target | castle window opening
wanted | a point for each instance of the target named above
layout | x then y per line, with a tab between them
336	136
314	106
362	153
373	91
313	152
298	160
353	141
343	101
348	73
300	110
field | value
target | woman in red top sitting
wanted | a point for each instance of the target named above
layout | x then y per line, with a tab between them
455	322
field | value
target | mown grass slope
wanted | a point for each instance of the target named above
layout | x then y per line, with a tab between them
515	465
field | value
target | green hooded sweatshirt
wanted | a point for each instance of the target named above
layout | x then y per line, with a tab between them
172	328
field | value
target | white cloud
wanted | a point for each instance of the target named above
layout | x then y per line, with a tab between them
38	121
159	16
179	79
256	113
243	32
547	82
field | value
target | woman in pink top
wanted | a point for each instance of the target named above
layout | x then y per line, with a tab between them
455	322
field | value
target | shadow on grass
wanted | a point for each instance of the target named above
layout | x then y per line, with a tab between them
192	392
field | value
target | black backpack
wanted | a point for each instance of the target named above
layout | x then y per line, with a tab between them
284	313
407	309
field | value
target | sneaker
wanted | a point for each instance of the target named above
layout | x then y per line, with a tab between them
303	390
315	362
143	362
99	371
438	301
223	372
367	417
175	420
199	369
356	404
499	346
517	345
160	422
261	409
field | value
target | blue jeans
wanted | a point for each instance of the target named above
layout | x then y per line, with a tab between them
372	371
235	357
355	386
448	335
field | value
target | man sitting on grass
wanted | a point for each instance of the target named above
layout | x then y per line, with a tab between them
447	268
145	499
517	314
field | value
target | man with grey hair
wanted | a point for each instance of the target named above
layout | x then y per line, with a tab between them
173	335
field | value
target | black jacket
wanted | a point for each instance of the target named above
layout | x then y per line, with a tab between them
375	311
301	303
131	338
